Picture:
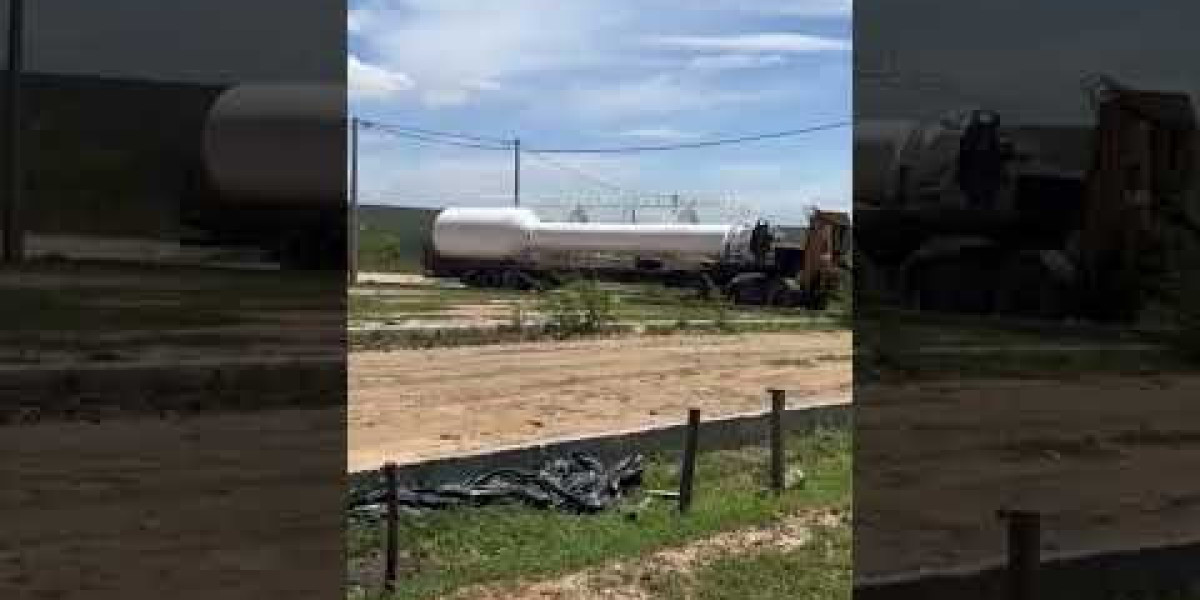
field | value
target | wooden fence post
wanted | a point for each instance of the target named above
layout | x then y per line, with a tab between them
393	516
1024	546
687	473
778	460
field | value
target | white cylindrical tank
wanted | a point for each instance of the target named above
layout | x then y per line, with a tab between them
877	146
510	233
270	143
673	238
485	233
925	150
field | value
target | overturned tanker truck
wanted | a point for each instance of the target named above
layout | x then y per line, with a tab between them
751	263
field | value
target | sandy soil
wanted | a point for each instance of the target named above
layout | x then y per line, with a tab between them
196	508
1109	461
393	278
417	404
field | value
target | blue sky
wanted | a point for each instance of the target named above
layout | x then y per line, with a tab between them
605	73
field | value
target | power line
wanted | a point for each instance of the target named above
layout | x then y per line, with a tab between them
436	133
435	140
433	136
681	146
581	173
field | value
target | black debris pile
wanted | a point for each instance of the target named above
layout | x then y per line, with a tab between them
579	483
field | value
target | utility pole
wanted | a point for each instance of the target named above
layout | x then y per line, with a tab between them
352	214
517	172
14	242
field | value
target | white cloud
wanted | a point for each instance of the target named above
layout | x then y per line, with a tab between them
657	133
372	81
774	188
783	8
730	62
449	179
457	50
656	95
784	43
566	72
807	8
356	20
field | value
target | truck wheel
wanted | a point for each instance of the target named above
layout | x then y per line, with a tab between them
313	249
775	293
817	301
513	279
1030	290
753	291
472	279
953	286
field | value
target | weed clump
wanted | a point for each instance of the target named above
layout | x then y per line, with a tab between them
579	308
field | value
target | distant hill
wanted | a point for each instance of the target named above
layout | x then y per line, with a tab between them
391	238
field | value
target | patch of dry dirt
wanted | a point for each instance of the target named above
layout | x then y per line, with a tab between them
408	405
623	580
482	314
394	278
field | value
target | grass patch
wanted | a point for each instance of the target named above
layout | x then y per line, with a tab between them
383	340
456	549
83	310
390	238
909	345
365	307
1014	364
630	303
101	297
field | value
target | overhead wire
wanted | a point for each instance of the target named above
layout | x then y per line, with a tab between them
445	137
581	173
436	133
490	143
436	140
686	145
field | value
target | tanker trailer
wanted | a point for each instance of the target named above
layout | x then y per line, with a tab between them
513	248
273	174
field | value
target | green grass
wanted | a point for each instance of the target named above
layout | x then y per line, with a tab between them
923	346
384	340
390	238
104	297
662	310
455	549
385	307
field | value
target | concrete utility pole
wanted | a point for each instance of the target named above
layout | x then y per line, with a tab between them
517	172
352	214
14	234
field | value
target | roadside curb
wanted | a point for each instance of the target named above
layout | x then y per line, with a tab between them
1099	574
719	433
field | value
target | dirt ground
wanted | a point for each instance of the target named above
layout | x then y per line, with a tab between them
189	508
1109	461
408	405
